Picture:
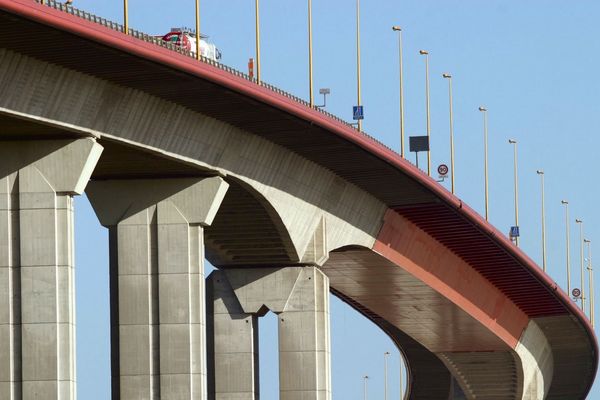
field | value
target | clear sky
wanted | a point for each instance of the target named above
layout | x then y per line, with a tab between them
531	63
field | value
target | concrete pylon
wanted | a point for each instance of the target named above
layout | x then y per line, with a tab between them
38	180
157	283
300	298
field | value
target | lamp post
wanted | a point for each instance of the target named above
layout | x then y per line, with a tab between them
401	377
399	30
126	17
541	174
426	54
197	29
310	54
449	77
568	236
580	222
485	159
365	379
257	29
385	381
590	280
516	173
359	103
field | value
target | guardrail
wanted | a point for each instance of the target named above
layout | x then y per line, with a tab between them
159	42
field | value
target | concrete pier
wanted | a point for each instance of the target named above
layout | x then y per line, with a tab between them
37	311
300	298
157	283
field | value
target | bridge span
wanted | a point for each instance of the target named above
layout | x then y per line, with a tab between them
185	159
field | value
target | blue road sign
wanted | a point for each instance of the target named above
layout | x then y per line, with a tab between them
514	232
358	113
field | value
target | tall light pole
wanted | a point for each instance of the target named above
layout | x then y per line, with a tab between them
541	174
401	377
426	54
310	54
385	381
516	172
485	159
359	98
197	29
126	17
449	77
399	30
365	379
257	29
591	280
580	222
567	221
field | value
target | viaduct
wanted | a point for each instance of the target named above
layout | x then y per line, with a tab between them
185	160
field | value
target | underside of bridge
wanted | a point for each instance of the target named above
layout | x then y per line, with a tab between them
473	316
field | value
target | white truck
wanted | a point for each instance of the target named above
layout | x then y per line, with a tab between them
186	38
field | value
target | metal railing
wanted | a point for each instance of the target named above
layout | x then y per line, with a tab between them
168	45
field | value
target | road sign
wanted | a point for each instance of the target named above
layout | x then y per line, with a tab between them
443	170
576	293
419	143
514	232
358	113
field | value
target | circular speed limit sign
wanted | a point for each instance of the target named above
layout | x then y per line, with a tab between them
443	169
576	293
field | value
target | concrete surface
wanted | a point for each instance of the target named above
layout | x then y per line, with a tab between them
157	283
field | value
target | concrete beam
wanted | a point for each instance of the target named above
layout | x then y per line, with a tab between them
157	283
300	298
37	312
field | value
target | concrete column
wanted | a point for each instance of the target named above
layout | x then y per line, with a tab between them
300	297
37	311
157	283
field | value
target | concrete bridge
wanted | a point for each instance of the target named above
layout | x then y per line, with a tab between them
185	160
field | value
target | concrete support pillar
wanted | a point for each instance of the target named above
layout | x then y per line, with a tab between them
300	297
157	283
38	180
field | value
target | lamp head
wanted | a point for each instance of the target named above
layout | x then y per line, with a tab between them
423	52
482	109
579	221
512	141
396	28
540	172
587	241
446	75
564	202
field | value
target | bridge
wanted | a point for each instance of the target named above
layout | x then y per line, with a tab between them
185	159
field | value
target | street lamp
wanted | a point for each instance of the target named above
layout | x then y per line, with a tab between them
197	29
359	103
365	379
568	236
401	377
399	30
485	159
541	174
126	17
426	54
257	29
591	280
580	222
514	143
385	382
310	54
449	77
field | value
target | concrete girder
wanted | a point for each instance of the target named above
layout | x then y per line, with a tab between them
319	210
300	298
37	321
157	282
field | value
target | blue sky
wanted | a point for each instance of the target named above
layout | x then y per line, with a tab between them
531	63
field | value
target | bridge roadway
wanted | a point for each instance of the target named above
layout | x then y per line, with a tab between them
473	315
